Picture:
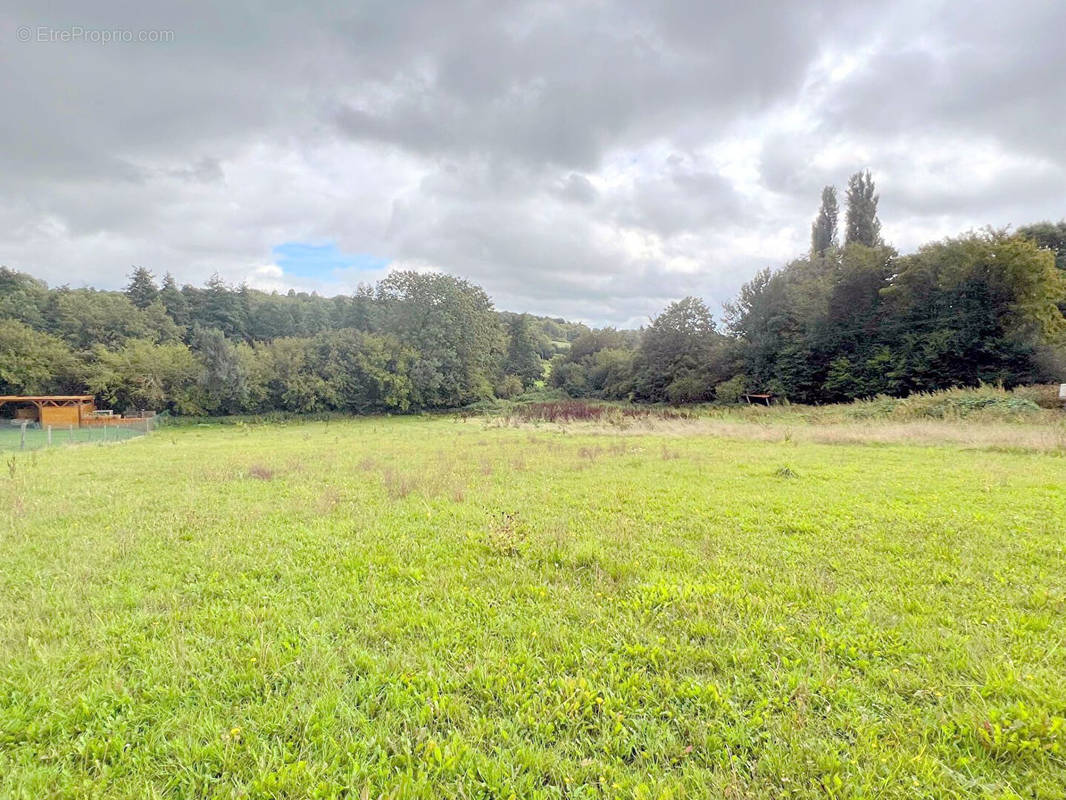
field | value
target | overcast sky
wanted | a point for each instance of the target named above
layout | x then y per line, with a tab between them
593	160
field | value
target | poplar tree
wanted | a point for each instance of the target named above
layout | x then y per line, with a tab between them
863	226
824	227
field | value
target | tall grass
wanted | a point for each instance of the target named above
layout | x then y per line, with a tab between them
987	416
586	411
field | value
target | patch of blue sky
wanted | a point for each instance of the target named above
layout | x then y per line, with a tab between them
322	261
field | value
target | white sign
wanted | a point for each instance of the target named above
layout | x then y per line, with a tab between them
1062	391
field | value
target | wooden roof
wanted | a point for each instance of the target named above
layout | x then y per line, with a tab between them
46	398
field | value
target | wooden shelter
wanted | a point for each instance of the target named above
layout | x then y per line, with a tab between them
57	410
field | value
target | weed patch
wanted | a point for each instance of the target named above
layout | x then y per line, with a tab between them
506	535
261	472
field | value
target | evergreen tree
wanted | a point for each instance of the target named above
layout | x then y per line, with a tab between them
174	301
223	308
141	289
824	227
862	225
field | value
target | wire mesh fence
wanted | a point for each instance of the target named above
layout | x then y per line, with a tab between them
23	435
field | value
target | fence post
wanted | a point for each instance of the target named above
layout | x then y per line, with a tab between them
22	437
70	433
49	435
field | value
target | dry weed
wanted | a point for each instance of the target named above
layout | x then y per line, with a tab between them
397	484
1035	437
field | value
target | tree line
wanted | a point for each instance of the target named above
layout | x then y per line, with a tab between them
849	319
413	341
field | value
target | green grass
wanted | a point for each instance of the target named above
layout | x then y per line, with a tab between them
36	438
433	608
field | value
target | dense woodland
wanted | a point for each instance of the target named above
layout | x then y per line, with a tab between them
850	319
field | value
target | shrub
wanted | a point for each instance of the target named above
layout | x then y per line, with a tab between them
509	386
958	403
984	401
686	389
569	377
1044	395
732	390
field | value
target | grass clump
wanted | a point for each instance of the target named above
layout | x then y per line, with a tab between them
260	472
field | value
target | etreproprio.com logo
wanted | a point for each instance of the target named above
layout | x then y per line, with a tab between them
79	34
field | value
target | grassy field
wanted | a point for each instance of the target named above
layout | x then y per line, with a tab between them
432	607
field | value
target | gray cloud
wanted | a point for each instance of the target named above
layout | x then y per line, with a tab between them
578	188
591	159
985	75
